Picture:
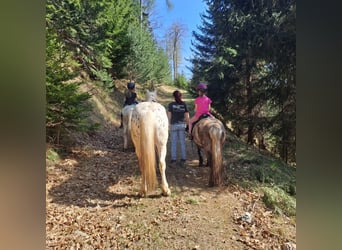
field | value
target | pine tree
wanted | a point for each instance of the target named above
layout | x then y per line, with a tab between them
246	52
66	108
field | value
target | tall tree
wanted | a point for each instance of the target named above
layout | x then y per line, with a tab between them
96	37
94	31
246	51
66	107
147	62
174	37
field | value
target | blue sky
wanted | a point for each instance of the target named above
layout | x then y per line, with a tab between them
186	12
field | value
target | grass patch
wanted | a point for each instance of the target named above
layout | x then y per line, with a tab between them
273	172
256	170
278	200
192	201
175	191
52	155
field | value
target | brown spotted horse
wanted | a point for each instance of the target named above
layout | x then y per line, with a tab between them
209	134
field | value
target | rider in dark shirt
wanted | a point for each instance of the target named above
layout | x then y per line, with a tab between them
178	115
130	97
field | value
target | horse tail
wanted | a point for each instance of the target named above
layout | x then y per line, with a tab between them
147	149
216	156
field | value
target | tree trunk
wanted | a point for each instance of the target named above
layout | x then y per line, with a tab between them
261	143
58	133
250	132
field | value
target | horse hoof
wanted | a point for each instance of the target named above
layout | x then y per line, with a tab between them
142	194
167	193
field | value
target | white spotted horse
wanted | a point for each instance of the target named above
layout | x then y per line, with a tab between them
209	134
126	119
126	122
149	131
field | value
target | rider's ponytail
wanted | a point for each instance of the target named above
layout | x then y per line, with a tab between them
178	96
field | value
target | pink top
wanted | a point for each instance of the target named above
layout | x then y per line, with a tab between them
202	103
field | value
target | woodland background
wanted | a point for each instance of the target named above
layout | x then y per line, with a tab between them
246	52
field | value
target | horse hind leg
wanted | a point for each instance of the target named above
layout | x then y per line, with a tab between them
211	173
125	144
209	160
162	166
126	132
143	187
200	158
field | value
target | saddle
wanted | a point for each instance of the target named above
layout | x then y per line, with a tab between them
203	116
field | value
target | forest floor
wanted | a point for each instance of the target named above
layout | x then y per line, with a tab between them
92	202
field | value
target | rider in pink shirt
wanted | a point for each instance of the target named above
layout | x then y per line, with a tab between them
202	104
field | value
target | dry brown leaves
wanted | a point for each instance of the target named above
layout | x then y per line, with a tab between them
265	230
92	202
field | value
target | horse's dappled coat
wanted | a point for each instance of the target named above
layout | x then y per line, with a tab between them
149	131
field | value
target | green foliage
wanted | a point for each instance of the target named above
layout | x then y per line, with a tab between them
275	173
260	172
181	82
245	50
100	38
52	155
146	62
192	201
276	199
162	69
94	31
66	107
262	168
105	78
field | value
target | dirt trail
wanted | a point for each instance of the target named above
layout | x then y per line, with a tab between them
92	202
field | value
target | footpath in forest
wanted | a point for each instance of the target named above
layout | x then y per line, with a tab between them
92	199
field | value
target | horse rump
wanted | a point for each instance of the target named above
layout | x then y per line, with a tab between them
209	134
149	130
